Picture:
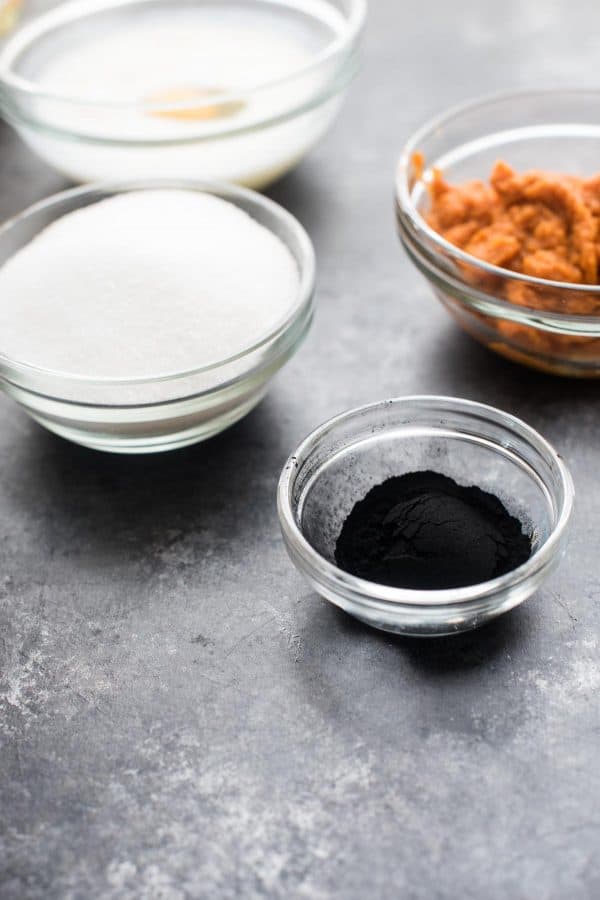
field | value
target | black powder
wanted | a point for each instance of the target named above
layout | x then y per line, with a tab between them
424	531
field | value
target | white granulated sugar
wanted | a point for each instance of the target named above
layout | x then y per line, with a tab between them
146	282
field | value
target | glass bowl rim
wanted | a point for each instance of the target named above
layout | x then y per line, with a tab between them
371	592
406	206
71	10
223	190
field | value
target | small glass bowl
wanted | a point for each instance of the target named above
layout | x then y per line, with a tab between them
475	444
255	136
556	327
166	409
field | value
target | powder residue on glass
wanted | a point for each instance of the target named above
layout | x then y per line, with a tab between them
424	531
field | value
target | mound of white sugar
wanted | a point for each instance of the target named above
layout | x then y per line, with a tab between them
144	283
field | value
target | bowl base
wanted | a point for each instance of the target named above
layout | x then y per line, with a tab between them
483	330
430	630
428	623
563	369
149	441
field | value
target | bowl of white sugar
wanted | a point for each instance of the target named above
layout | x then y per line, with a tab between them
232	90
139	317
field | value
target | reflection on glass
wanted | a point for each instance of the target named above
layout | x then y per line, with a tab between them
9	11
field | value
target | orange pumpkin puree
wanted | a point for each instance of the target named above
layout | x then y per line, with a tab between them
535	223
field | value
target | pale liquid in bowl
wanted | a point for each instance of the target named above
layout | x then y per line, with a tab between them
227	66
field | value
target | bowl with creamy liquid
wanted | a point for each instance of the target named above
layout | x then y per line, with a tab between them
236	91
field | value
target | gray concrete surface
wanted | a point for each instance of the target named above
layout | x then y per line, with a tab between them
180	716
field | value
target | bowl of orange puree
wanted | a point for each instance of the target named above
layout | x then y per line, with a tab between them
498	205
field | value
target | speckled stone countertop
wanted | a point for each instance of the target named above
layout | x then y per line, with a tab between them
180	716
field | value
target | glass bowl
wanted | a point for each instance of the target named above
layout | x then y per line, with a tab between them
164	410
475	444
556	326
250	136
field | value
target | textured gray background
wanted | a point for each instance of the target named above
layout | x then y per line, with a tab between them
180	716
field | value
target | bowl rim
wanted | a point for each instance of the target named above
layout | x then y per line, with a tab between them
71	10
224	190
406	207
368	592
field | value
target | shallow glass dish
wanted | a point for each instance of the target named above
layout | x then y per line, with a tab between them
475	444
245	134
559	330
164	410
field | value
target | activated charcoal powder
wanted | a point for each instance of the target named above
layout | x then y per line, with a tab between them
424	531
